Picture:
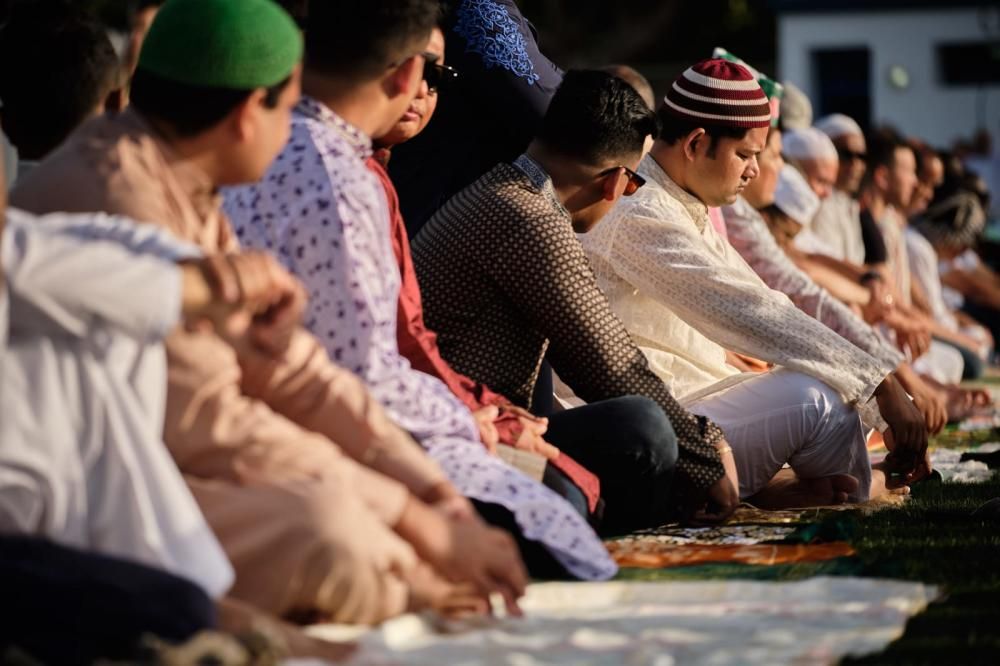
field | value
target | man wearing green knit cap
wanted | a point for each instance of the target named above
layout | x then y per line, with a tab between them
325	507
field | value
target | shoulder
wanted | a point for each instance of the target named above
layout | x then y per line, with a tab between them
652	209
496	32
104	166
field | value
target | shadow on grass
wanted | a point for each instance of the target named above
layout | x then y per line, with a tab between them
933	538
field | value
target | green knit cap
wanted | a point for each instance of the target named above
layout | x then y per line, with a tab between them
237	44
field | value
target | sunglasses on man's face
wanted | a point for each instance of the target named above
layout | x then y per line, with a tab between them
635	181
846	154
437	75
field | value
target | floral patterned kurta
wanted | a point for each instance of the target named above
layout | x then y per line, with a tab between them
325	216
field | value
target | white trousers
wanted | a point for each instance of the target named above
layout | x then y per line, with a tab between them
783	417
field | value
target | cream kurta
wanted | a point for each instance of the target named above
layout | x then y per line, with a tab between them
686	295
838	225
307	528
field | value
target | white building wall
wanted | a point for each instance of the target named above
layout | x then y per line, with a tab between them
927	109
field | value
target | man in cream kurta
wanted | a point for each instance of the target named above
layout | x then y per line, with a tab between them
686	296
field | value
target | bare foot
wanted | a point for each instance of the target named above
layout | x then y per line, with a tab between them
963	403
428	591
787	491
884	485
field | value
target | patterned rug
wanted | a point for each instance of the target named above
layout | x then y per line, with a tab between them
658	555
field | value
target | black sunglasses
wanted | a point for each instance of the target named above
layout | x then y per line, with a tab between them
846	154
635	181
438	75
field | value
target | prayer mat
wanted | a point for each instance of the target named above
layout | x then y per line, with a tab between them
953	469
732	535
815	621
654	555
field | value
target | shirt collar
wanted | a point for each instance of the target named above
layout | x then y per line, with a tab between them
358	140
698	211
540	179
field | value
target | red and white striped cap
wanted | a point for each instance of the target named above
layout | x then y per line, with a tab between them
719	92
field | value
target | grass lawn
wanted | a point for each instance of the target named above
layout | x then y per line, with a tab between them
935	539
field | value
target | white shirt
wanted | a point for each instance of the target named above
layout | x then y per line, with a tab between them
686	295
82	393
838	225
924	270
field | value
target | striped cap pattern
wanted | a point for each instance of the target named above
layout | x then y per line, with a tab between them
719	92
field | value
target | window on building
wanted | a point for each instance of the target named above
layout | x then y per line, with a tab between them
969	63
843	83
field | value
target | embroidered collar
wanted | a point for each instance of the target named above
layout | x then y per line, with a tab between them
358	140
697	210
540	179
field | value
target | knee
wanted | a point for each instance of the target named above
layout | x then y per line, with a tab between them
823	398
646	427
351	571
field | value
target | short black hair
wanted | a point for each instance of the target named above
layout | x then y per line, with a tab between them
595	117
359	39
59	65
187	109
673	128
882	144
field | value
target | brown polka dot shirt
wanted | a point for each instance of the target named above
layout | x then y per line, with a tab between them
505	280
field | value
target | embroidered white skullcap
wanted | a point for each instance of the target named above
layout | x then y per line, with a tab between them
837	125
807	144
796	109
794	196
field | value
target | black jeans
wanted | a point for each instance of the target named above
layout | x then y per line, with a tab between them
630	445
65	606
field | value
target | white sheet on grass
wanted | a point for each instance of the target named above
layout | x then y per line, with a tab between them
815	621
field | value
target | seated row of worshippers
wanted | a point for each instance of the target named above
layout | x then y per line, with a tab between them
230	384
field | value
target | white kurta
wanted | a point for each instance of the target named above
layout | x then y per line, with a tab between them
686	295
838	225
83	388
749	235
941	362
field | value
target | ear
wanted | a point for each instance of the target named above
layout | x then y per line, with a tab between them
400	81
243	119
880	176
692	142
611	185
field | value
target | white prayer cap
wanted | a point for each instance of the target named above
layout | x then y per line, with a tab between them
794	197
796	109
837	125
807	144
